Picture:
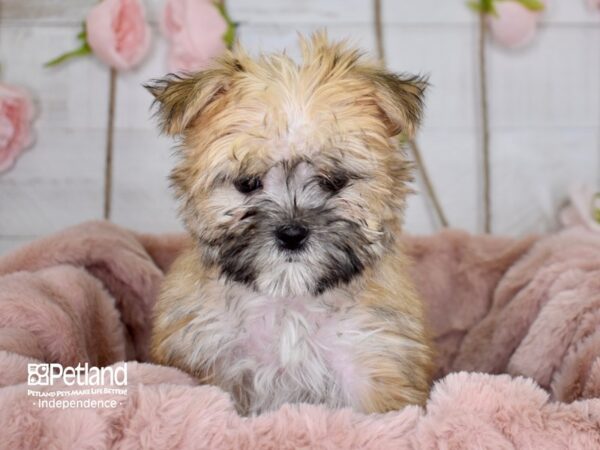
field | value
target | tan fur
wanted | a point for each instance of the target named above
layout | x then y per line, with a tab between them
244	116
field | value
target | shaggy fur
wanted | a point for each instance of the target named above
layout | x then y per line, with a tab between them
502	293
325	314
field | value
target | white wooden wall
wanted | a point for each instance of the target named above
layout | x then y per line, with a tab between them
544	100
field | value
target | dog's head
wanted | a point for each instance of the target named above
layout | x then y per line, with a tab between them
289	176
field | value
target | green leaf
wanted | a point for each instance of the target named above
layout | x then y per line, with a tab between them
474	5
82	36
487	5
533	5
596	207
402	139
229	35
81	51
482	6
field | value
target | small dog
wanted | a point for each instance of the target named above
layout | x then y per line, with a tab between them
292	186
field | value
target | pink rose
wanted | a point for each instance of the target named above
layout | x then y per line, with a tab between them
584	208
594	4
16	114
195	29
118	33
513	25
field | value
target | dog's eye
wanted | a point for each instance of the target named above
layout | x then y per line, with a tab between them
247	184
333	184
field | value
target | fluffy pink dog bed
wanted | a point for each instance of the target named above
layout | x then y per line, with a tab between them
516	324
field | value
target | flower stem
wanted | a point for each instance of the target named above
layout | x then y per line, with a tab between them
229	35
485	126
110	127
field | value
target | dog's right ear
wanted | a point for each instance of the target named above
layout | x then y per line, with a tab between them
182	98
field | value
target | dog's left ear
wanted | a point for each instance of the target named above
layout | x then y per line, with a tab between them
400	98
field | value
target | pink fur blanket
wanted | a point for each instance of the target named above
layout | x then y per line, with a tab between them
516	323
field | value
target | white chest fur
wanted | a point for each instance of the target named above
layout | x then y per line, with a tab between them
268	351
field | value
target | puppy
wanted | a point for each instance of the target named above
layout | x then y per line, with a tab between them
292	187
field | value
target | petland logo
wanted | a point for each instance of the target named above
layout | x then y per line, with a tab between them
79	387
82	375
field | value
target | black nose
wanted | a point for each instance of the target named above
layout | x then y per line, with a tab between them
291	237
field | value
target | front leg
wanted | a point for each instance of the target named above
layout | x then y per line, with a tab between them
398	367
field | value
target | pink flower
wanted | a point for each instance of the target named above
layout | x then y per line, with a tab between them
195	29
594	4
513	25
118	33
16	114
584	208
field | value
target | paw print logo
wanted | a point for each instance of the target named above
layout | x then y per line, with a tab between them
38	374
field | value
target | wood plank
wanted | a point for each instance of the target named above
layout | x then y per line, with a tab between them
570	12
455	12
418	217
264	11
54	185
402	12
426	12
60	12
316	12
532	172
451	159
270	38
45	11
142	198
301	12
535	88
